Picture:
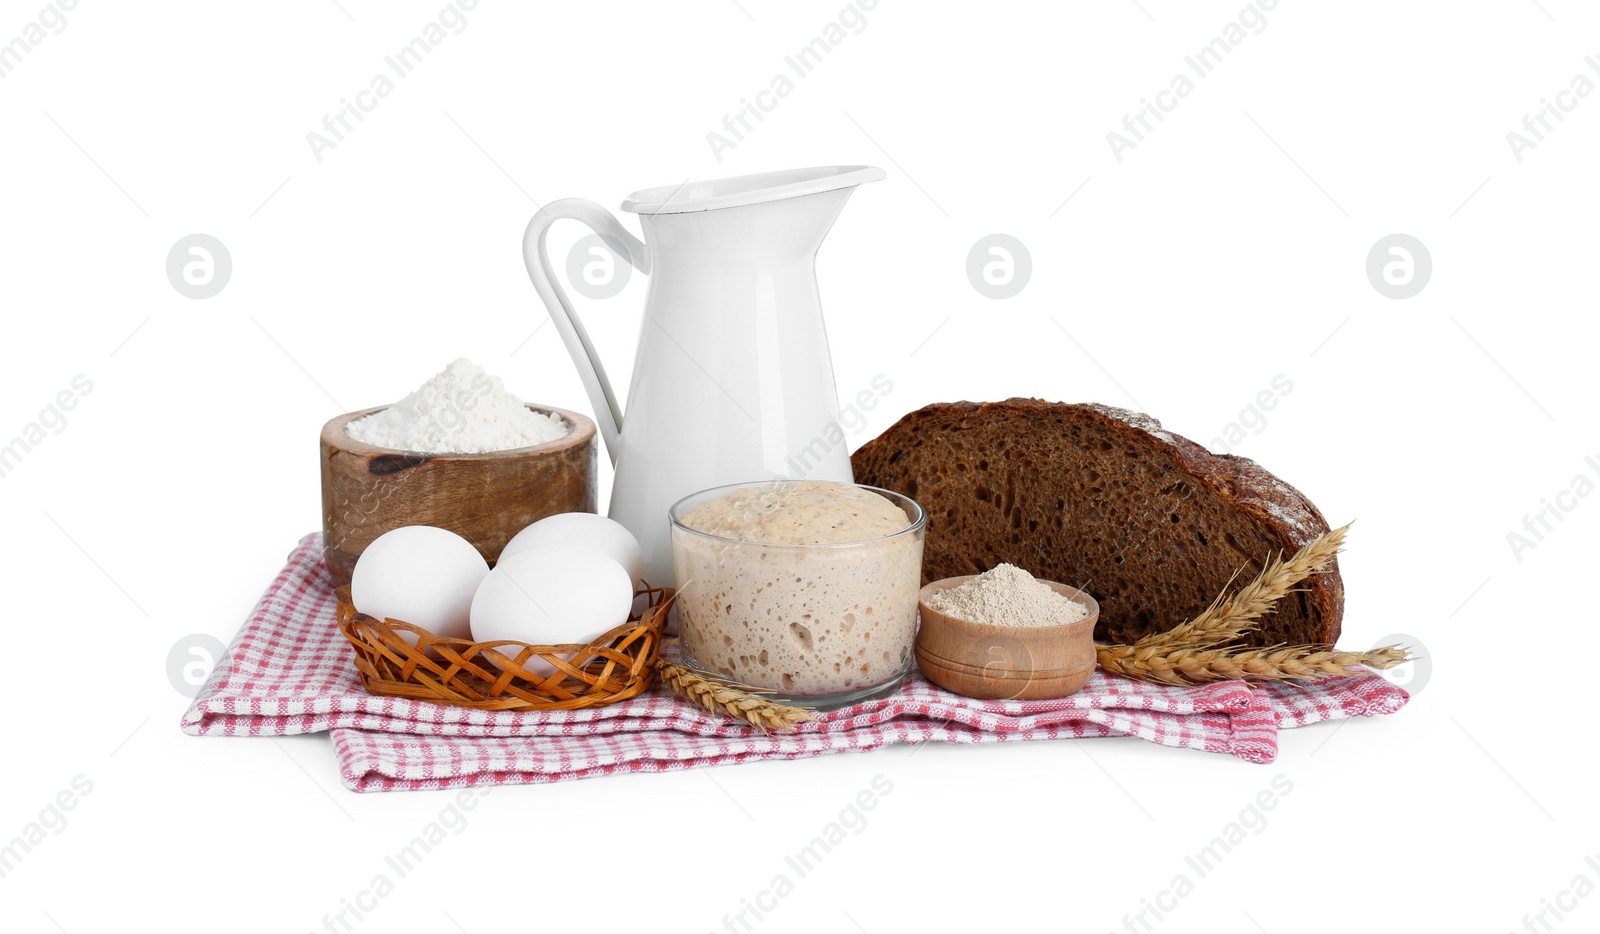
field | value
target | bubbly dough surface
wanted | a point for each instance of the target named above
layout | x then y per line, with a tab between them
804	512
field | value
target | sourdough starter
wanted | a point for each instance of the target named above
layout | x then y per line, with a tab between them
800	592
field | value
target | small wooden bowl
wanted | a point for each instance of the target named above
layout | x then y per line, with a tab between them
484	498
1005	662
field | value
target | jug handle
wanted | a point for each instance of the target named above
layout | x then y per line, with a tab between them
606	410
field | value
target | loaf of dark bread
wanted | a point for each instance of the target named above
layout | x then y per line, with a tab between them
1150	523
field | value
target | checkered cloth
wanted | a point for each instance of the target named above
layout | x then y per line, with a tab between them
290	671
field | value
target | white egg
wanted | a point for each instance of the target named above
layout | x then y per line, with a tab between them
422	575
607	536
551	595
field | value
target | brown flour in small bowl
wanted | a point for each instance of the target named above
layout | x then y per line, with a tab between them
1006	595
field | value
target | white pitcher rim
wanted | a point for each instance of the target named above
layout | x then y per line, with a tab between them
758	188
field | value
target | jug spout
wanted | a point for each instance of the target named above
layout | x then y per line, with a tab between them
693	197
754	237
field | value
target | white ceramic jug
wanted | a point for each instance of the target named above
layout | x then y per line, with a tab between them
732	381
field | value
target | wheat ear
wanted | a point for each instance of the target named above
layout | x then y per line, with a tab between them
1232	663
725	697
1230	615
1197	651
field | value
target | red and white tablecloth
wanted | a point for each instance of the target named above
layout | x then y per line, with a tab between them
290	671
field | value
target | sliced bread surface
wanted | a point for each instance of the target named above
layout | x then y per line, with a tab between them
1151	524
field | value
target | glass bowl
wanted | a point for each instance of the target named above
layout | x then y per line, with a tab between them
824	625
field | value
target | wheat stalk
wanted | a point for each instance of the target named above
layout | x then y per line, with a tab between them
1187	665
735	700
1199	650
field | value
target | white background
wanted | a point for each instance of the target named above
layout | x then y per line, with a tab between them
1227	248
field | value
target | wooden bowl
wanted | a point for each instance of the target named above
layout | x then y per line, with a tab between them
484	498
1005	662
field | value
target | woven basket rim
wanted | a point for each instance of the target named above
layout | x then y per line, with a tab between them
618	665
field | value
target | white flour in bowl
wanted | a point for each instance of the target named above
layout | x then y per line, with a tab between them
463	410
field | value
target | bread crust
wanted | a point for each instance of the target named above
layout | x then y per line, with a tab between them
1288	515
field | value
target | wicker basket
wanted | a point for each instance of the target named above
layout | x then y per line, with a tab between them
492	676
